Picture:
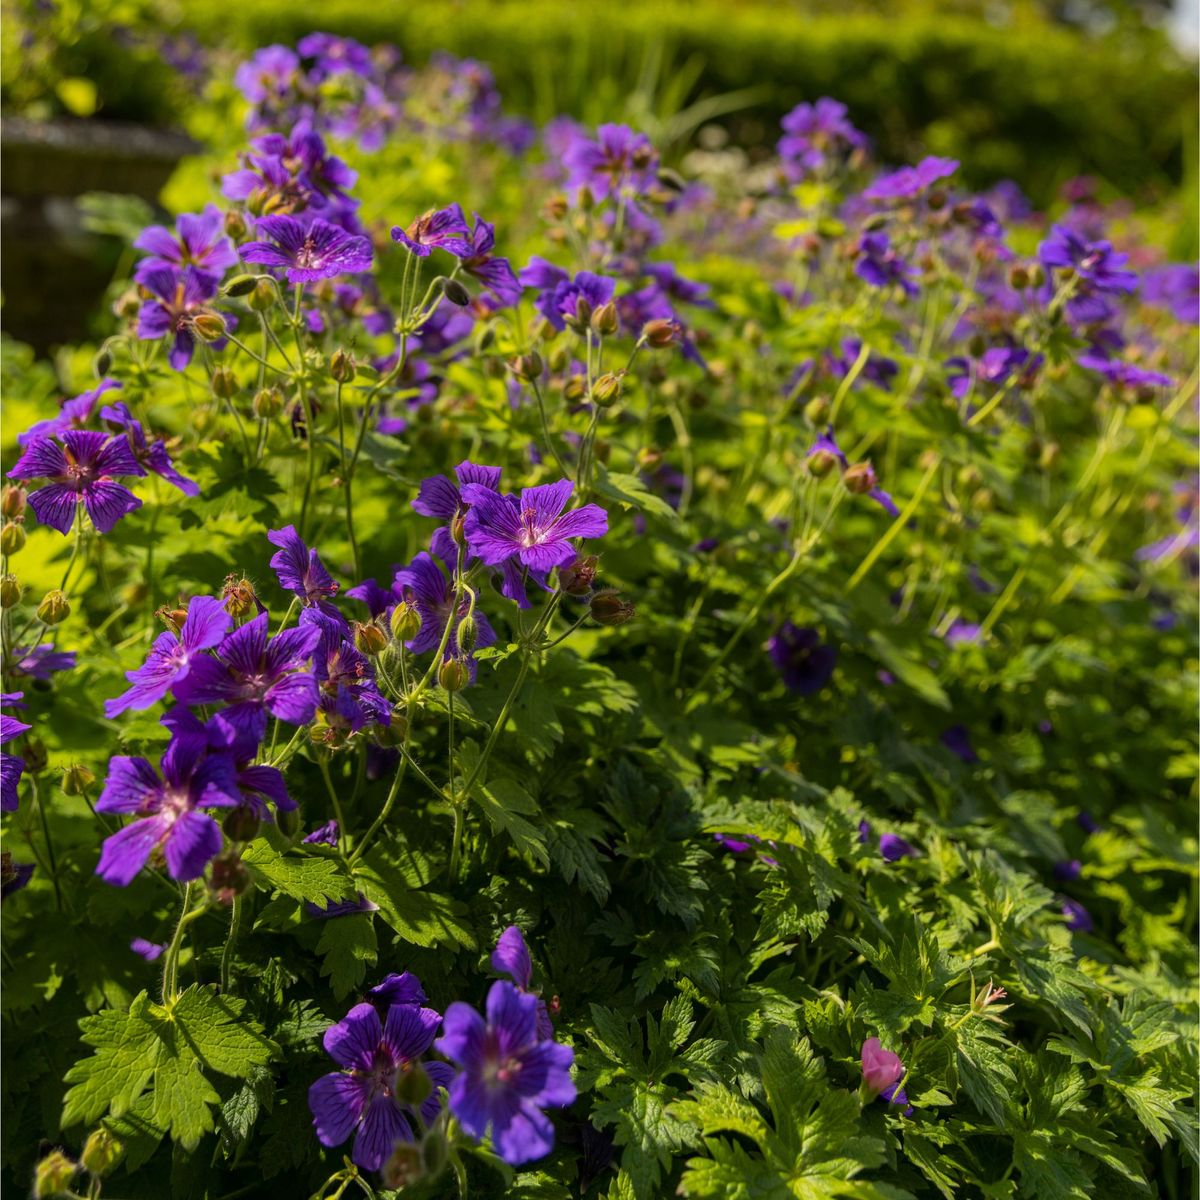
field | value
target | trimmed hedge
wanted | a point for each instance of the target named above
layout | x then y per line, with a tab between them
1034	102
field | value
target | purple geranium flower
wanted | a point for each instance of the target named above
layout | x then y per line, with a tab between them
361	1099
880	266
1096	262
1079	920
617	162
198	240
909	182
396	988
957	740
424	585
11	767
1124	375
309	252
438	229
179	299
492	271
166	808
39	662
511	958
1175	287
571	299
171	656
893	847
804	662
323	835
72	414
144	948
816	132
256	677
300	571
439	496
534	530
153	457
508	1073
994	367
79	471
269	74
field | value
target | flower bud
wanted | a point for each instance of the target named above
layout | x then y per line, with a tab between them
240	285
607	608
394	732
453	675
456	293
816	411
576	578
267	403
976	345
172	618
224	383
1018	277
369	639
54	608
34	753
412	1085
874	221
229	877
12	537
342	366
660	332
209	326
13	504
287	821
76	780
821	463
241	823
405	622
859	478
527	366
266	292
467	634
53	1175
434	1152
238	596
585	198
1037	274
405	1167
606	391
101	1152
1051	453
235	225
574	389
458	525
604	319
128	304
102	363
10	591
582	317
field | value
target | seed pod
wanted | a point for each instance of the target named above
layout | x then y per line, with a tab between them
238	595
54	608
607	608
577	578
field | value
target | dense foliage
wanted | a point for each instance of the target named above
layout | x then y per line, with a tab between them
670	686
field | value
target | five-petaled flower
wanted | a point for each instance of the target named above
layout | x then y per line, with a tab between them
308	252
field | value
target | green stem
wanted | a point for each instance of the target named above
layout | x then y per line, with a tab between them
235	921
323	763
171	961
384	812
541	406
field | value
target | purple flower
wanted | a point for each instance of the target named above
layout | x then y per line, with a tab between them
492	271
1067	871
11	767
13	875
72	414
39	662
256	677
963	633
300	571
269	75
324	835
438	229
150	951
179	299
349	696
1078	919
508	1073
864	832
171	656
402	988
438	496
198	241
1096	262
881	1069
534	530
994	367
1087	822
909	182
619	162
816	132
1177	288
804	662
511	958
1124	375
318	250
79	471
562	298
334	55
880	266
424	585
362	1099
152	457
166	810
893	847
957	740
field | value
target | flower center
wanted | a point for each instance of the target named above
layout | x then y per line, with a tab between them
531	533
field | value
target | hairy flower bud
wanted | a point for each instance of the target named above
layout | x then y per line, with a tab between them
53	1175
607	608
229	877
369	639
1037	274
467	635
821	463
10	591
287	821
342	366
527	366
412	1085
577	578
606	391
574	389
209	326
13	504
875	222
859	478
405	622
54	608
77	779
405	1167
241	824
238	596
264	295
235	225
816	411
102	363
605	320
458	529
582	316
101	1152
224	383
12	537
660	332
267	403
1018	277
452	675
240	285
456	293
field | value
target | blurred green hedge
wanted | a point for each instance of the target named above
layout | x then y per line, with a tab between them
1035	102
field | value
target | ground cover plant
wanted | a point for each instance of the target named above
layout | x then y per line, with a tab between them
531	673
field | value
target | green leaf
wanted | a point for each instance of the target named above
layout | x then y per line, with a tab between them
630	493
418	916
348	946
308	876
505	803
126	1052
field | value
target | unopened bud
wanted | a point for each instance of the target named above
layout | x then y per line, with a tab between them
287	821
241	824
816	411
172	618
405	622
209	326
1018	277
577	578
976	345
434	1151
101	1152
607	608
527	366
238	596
1037	274
128	304
240	285
53	1175
453	675
606	391
458	529
1051	453
582	316
369	639
229	877
102	363
267	403
13	504
859	478
76	780
821	462
874	221
342	366
660	332
235	225
605	320
412	1086
456	293
12	537
467	635
54	608
936	199
224	383
10	591
264	295
575	389
33	751
585	198
405	1167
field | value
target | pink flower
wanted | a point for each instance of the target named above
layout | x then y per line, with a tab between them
881	1068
